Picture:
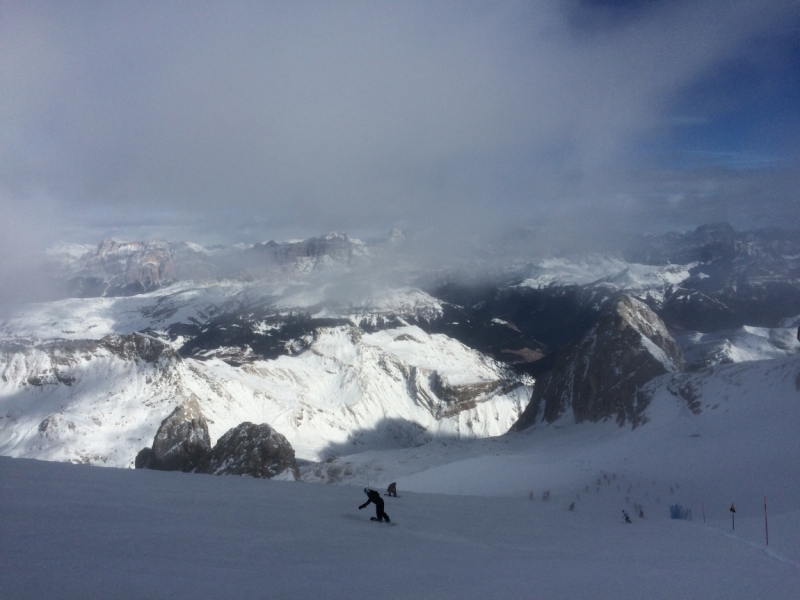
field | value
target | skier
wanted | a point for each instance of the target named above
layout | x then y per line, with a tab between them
627	518
392	491
375	497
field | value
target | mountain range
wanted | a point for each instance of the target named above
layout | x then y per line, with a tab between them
344	346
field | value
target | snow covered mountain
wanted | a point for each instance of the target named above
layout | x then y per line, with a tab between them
339	348
101	401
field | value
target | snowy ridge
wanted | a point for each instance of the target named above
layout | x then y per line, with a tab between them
94	318
196	302
610	270
81	401
739	345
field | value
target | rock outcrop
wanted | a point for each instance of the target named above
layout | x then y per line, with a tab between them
600	376
249	449
181	443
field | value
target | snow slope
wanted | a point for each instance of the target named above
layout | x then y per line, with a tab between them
72	531
93	318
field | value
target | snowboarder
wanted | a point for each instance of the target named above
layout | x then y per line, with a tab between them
627	518
392	491
375	497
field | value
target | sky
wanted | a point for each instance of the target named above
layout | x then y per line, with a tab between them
245	121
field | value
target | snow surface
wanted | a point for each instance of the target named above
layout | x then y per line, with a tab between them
481	529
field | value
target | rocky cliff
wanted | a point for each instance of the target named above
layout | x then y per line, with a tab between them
599	376
249	449
181	442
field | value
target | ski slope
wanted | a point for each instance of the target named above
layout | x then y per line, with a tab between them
73	531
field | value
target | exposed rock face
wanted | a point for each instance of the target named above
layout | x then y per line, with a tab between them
146	459
600	376
117	268
124	268
182	441
136	346
249	449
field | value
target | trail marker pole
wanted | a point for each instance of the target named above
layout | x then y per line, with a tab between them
733	515
766	524
704	512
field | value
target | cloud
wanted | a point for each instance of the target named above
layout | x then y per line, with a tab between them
244	119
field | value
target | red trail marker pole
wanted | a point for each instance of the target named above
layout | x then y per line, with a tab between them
766	523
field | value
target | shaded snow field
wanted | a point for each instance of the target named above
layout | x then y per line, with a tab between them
467	525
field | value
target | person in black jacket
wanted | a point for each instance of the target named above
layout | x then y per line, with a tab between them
375	497
392	491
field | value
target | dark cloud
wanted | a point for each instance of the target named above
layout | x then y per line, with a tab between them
244	120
